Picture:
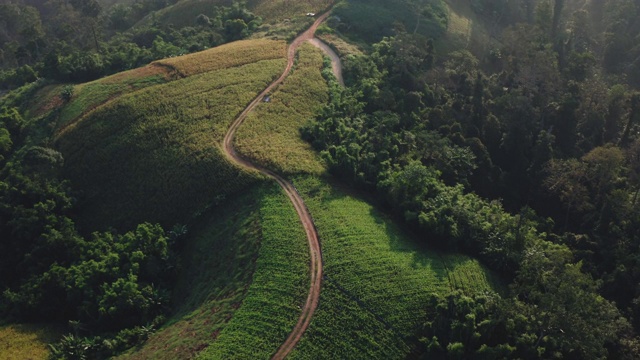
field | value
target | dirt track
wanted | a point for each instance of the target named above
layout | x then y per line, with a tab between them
315	266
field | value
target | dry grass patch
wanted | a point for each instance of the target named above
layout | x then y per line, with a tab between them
270	136
22	341
341	46
229	55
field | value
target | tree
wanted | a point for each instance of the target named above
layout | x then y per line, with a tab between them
566	178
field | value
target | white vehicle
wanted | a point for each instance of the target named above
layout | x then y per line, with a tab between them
311	14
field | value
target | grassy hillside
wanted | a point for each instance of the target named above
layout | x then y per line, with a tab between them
291	105
88	96
377	279
22	341
153	154
213	283
279	288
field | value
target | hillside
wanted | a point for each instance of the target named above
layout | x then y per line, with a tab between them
467	188
169	134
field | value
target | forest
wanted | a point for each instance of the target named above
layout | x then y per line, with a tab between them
517	145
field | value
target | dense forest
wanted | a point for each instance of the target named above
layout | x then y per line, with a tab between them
522	151
525	155
79	40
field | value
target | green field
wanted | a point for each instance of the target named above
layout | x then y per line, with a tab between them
169	135
26	341
377	281
279	288
302	93
90	95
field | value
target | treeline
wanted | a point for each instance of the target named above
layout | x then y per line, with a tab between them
542	123
79	41
110	289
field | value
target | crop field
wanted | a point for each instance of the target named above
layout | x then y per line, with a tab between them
279	288
22	341
270	135
154	154
237	53
385	275
213	282
92	94
343	329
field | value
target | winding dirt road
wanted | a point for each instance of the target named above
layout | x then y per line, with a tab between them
315	266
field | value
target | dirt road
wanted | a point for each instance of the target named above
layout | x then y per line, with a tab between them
336	64
315	266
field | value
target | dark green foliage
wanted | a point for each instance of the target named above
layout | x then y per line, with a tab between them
372	20
80	47
49	273
542	133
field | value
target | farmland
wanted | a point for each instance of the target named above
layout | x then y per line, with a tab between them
377	279
244	52
303	92
90	95
279	288
169	134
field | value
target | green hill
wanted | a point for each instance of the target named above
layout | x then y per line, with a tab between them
153	154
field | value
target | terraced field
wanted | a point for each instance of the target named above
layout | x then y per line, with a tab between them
376	278
169	135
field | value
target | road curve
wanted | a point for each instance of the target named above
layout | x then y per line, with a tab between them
315	266
336	64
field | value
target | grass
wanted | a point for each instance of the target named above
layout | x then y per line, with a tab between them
278	291
90	95
26	341
270	134
221	255
154	155
377	276
237	53
339	45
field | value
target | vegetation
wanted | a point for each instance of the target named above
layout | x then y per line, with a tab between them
169	133
83	98
520	123
370	21
504	130
79	41
296	100
234	54
384	277
222	250
279	288
26	341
